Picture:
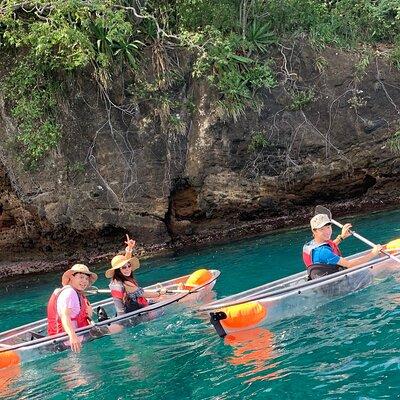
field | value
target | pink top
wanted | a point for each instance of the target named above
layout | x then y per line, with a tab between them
68	298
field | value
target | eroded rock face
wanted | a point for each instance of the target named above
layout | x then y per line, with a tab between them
124	169
19	225
333	151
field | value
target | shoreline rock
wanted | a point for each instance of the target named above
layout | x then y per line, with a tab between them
13	269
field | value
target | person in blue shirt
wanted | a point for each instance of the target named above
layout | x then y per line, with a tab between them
322	255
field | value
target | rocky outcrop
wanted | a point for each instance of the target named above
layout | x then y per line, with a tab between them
332	151
120	167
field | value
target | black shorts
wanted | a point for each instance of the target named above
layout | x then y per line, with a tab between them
316	271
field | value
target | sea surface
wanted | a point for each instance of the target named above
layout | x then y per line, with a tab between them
346	349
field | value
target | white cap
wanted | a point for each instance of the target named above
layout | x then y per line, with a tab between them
319	220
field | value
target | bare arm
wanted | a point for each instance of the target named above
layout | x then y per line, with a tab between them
151	294
130	244
131	288
344	262
74	340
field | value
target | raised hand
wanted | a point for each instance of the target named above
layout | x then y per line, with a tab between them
130	243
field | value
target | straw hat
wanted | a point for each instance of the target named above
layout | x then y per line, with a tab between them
83	269
119	261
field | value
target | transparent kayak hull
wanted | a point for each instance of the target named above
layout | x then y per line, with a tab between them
28	342
293	296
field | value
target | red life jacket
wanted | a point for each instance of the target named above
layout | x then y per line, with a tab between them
310	246
118	291
54	324
142	301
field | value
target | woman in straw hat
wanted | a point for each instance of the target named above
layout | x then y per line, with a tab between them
68	308
127	294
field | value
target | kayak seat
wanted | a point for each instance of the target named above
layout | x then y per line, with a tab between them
35	335
316	271
101	314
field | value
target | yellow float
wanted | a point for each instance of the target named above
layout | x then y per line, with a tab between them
198	278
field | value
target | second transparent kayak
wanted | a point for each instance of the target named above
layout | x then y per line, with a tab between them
293	295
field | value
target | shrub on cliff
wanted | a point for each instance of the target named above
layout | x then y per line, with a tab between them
228	40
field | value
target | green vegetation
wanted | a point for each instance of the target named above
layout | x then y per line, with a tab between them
51	39
357	100
395	55
301	98
229	43
362	65
394	142
343	23
32	94
321	63
228	62
76	167
258	142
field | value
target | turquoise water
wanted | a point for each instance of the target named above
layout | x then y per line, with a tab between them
347	349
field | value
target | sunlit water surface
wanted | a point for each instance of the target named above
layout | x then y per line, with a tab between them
347	349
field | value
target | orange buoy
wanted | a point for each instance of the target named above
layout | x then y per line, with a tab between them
199	277
9	358
243	315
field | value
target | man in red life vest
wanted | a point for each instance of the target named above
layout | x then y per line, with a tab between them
68	308
322	255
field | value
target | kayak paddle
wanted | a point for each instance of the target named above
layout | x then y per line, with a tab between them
96	290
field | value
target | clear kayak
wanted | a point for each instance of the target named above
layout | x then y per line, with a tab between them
26	342
293	295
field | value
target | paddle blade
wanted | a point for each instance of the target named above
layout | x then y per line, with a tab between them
323	210
393	246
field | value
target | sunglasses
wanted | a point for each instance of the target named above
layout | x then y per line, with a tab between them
126	266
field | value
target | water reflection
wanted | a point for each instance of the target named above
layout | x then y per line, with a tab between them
254	348
73	372
8	376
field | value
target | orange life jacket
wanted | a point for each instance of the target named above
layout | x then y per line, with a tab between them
310	246
54	324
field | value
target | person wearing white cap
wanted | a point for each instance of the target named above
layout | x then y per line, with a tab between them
68	308
322	255
128	296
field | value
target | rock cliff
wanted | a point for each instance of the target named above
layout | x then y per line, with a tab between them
320	137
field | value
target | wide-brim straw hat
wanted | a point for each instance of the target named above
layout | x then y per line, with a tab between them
83	269
119	261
